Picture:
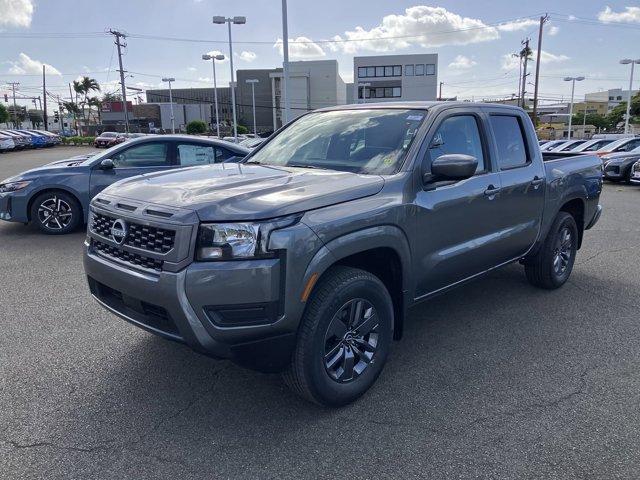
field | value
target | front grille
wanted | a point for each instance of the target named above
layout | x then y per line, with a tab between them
153	239
128	257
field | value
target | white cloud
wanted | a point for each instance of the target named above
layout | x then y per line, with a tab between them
247	56
553	30
26	64
421	25
192	69
16	13
510	62
462	63
629	15
303	48
517	25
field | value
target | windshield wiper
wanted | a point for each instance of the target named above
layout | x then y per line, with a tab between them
302	165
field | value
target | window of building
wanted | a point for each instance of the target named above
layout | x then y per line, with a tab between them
458	134
512	151
431	69
397	92
379	71
397	70
381	92
388	71
371	71
362	72
420	69
408	70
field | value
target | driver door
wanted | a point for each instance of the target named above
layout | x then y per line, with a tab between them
130	161
457	224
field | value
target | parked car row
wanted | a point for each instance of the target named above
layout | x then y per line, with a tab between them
619	156
21	139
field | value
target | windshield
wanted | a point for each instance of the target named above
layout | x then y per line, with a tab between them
372	141
101	156
108	134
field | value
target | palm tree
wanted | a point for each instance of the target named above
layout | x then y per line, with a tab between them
84	86
96	102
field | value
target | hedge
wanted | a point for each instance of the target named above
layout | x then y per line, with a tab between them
78	140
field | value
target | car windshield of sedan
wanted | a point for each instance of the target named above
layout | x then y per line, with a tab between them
109	134
371	141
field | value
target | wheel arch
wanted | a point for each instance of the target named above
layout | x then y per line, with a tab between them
386	255
576	208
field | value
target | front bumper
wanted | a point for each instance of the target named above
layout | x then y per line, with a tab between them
13	206
222	309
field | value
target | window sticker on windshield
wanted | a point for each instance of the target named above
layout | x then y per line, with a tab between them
415	118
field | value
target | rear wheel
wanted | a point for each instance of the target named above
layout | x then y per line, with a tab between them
344	338
551	267
56	213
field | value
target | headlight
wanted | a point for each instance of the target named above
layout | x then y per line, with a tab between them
229	241
12	186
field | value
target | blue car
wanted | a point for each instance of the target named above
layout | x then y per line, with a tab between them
39	140
56	196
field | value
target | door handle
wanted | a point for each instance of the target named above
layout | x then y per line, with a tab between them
537	181
491	191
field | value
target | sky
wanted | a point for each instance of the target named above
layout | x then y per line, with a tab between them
474	40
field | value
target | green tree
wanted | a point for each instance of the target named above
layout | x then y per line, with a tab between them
35	117
196	127
112	97
242	130
96	102
598	121
4	114
84	87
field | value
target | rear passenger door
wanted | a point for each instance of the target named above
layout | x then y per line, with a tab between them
522	176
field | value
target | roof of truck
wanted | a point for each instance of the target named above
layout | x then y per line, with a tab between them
416	105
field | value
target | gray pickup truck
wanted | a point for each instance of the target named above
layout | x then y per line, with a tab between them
304	258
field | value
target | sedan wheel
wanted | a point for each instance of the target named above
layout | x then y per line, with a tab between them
56	213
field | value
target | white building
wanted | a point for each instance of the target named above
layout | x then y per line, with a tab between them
396	77
312	84
613	96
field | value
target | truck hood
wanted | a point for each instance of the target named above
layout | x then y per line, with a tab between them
235	192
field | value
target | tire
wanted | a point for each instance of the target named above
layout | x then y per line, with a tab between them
314	372
56	213
551	267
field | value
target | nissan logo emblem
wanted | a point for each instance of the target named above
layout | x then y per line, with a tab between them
119	231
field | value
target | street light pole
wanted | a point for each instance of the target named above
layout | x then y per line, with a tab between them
213	59
173	126
285	64
238	21
573	81
628	61
253	99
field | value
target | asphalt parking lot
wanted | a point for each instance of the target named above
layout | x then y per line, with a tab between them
494	380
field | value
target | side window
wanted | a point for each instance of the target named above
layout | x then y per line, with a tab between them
190	154
146	155
458	134
512	151
627	147
223	154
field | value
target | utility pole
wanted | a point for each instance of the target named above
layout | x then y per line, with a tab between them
119	35
15	107
440	94
75	119
524	72
44	94
543	20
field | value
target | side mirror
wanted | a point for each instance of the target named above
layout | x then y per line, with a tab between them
454	166
107	164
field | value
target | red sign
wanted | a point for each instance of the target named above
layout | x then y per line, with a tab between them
115	106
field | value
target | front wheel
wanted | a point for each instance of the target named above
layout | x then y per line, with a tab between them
56	213
551	267
344	338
